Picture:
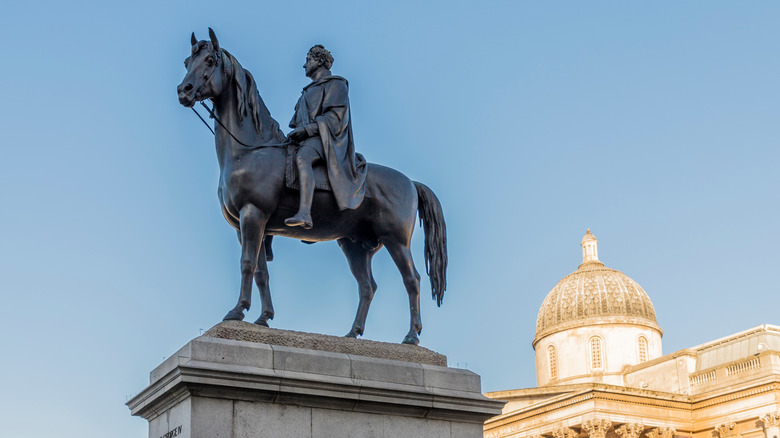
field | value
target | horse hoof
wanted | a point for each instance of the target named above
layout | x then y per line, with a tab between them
234	315
411	340
352	335
262	322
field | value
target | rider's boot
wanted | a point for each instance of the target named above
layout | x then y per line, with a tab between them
303	217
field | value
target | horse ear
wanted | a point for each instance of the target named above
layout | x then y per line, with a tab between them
214	41
193	40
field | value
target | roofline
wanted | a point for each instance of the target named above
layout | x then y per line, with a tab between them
743	333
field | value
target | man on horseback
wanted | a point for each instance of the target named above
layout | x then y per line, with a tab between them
322	127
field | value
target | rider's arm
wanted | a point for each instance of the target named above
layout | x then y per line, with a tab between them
335	109
312	129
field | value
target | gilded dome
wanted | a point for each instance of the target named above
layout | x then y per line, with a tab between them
592	295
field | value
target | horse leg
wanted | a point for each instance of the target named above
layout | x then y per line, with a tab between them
267	244
252	225
402	256
261	279
359	260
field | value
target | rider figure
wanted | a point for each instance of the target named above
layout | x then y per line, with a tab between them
322	127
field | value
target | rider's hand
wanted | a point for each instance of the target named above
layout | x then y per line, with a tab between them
297	134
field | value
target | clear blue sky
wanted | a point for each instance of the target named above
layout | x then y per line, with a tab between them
654	124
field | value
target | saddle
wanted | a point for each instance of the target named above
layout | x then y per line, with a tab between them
321	181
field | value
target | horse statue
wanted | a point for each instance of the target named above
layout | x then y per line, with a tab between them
252	154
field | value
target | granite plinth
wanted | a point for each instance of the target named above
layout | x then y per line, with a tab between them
217	387
244	331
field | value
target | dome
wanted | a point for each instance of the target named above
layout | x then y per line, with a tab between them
593	295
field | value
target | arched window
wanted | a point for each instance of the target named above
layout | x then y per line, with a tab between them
552	358
596	353
642	349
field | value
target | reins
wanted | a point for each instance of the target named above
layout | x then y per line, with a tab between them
201	119
219	60
214	116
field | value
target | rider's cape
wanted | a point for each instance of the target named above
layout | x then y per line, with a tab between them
323	110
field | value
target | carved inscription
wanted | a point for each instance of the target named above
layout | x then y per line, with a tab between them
172	433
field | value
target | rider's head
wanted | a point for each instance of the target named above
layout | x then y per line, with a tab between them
321	55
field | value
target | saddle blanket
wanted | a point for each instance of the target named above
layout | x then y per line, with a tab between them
321	181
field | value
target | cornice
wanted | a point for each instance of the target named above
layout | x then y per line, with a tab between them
700	402
728	339
645	398
648	400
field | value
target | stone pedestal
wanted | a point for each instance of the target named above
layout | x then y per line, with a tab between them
242	387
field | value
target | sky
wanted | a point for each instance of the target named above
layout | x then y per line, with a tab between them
654	124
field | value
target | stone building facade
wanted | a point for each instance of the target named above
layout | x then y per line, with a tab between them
601	372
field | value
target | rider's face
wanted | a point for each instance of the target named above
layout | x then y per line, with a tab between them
311	66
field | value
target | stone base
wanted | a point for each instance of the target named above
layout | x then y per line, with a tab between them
215	387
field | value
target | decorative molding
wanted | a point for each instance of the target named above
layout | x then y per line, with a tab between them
661	432
643	401
725	430
507	430
736	396
565	432
541	410
630	430
737	337
595	396
597	427
769	420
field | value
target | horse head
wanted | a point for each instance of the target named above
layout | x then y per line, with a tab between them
207	72
210	71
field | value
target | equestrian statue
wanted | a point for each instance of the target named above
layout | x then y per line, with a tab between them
309	185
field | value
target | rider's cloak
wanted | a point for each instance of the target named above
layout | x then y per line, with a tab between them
323	110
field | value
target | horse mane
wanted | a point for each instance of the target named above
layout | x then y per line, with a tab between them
250	104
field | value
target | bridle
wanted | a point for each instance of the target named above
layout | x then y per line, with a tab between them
218	57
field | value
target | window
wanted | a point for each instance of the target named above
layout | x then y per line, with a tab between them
642	349
553	359
596	358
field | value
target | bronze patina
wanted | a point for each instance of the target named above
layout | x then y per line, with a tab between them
323	128
252	154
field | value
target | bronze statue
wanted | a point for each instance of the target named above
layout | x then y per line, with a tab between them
323	127
256	194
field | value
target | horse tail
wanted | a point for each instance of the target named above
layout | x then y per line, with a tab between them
432	221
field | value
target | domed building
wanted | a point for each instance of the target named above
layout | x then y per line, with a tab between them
601	372
588	321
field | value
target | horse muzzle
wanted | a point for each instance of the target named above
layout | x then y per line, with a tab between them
187	95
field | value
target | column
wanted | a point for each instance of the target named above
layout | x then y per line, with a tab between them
630	430
661	432
597	427
564	432
725	430
771	425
